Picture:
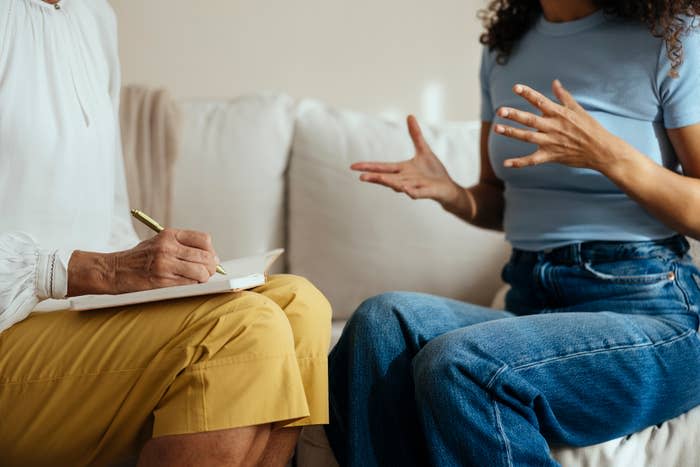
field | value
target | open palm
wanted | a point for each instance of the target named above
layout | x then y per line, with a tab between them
421	177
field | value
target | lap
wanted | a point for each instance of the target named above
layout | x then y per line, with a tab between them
600	375
419	317
82	378
116	339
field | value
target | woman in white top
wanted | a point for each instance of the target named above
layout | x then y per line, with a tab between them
204	381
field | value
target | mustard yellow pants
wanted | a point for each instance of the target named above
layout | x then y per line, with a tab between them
89	388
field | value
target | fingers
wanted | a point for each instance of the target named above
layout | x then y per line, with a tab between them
417	135
389	181
414	188
565	96
526	118
166	270
195	255
196	248
191	271
377	167
176	280
195	239
536	158
528	136
538	100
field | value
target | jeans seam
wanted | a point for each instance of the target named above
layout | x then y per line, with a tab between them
650	279
502	433
677	283
603	350
495	375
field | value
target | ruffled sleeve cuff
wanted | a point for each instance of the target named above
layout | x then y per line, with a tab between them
28	275
51	273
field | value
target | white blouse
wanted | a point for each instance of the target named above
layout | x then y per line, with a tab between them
62	184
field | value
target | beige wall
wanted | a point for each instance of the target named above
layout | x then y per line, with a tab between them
379	56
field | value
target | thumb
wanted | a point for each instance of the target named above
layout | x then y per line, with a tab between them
417	135
564	96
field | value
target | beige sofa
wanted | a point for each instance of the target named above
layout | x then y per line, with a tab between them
266	171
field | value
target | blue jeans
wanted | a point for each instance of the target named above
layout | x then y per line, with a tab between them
599	341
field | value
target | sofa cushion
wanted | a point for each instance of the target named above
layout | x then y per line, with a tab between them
354	240
672	444
230	178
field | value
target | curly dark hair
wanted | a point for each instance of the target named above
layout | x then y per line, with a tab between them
507	21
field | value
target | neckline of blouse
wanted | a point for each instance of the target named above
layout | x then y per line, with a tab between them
44	4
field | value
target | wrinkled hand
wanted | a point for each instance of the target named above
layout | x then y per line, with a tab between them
421	177
565	133
173	257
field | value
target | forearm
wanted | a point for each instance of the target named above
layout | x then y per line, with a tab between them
481	205
667	195
90	273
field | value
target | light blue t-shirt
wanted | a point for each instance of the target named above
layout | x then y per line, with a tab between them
619	72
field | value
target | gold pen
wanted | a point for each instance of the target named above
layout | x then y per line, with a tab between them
149	222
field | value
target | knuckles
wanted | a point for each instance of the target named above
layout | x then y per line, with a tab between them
159	266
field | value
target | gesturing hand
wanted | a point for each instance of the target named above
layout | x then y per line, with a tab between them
422	176
173	257
565	133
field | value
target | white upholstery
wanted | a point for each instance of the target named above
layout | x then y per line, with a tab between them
671	444
230	178
354	240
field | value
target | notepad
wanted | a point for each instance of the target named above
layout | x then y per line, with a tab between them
242	274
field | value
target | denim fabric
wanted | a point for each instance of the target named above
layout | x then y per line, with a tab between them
600	341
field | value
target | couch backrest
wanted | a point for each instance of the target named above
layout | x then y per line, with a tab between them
354	240
261	171
229	180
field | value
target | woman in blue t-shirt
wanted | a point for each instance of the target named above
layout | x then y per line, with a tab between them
594	184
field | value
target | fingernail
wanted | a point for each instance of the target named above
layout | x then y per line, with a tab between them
557	82
500	129
518	88
504	112
508	164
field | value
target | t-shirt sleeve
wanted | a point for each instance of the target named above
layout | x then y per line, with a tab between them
680	96
485	80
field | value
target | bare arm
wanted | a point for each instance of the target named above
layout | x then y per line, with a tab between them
482	204
568	135
670	197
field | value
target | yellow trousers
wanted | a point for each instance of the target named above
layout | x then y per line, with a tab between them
89	388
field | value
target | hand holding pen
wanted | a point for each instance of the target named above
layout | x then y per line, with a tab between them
173	257
149	222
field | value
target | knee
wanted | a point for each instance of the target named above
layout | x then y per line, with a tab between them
377	316
442	366
303	294
461	359
388	319
252	323
307	309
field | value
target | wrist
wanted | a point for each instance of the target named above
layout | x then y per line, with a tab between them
90	273
617	161
460	203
